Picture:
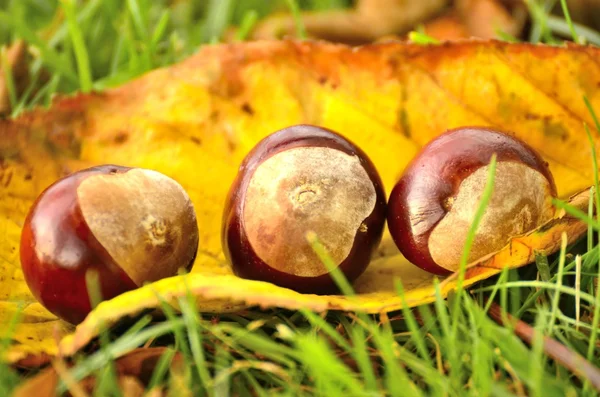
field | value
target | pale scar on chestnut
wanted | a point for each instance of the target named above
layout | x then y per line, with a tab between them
520	202
293	192
143	219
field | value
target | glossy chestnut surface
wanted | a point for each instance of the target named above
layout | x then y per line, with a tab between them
439	191
297	180
90	221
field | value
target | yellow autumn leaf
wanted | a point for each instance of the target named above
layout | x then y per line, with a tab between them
195	121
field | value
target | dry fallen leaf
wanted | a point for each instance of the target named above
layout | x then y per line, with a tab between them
482	19
384	20
134	371
366	22
16	58
195	121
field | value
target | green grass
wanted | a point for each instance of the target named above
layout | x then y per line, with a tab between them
451	347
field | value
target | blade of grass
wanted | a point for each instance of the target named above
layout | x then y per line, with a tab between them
429	321
135	60
217	16
576	212
559	283
589	258
515	294
541	262
337	275
318	358
592	113
248	22
318	322
160	29
415	332
140	27
138	19
565	9
396	380
84	14
180	339
539	17
590	230
109	375
266	346
540	284
75	389
139	325
537	350
52	89
363	361
596	315
162	368
577	290
295	10
480	353
448	338
558	25
115	63
483	202
422	38
192	322
501	279
441	310
222	378
504	36
81	54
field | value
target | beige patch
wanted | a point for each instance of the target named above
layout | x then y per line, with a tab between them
520	202
306	189
144	220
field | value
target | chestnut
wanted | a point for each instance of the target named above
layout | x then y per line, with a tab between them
302	179
130	225
432	206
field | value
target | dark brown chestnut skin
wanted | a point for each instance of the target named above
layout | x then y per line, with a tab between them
431	207
299	179
130	225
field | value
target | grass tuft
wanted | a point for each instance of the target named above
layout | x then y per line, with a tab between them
450	347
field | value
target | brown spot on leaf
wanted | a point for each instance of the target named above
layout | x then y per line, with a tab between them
248	109
6	175
196	140
121	137
555	130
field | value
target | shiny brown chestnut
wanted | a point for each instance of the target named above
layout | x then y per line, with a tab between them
432	206
129	225
302	179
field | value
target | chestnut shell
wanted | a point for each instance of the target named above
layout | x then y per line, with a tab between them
436	174
236	245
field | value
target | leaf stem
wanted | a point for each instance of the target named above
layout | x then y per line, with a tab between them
559	352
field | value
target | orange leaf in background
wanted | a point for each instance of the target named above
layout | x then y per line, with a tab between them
196	120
